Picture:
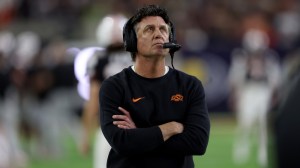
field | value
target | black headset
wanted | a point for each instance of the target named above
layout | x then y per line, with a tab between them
130	39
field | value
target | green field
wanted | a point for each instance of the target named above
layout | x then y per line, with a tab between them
219	151
218	154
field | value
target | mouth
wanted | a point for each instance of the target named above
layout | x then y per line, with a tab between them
158	44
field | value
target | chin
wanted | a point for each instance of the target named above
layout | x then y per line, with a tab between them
161	53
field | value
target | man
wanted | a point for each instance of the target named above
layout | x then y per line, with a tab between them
253	80
100	66
152	115
286	121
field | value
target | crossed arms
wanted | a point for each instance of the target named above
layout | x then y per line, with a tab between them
189	137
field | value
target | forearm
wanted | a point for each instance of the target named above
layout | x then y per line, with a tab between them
141	140
124	141
193	141
133	141
126	122
169	129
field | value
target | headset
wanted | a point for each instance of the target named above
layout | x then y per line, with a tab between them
130	39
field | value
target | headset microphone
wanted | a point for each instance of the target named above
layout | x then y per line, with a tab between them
173	48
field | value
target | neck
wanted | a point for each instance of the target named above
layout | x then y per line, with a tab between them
150	69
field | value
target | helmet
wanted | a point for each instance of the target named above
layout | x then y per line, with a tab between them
255	40
110	29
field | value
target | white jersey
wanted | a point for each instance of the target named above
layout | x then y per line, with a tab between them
257	67
108	63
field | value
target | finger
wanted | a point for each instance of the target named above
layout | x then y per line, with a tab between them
124	111
120	117
123	127
125	124
121	123
123	118
130	125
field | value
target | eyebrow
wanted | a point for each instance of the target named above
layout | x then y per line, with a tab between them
137	27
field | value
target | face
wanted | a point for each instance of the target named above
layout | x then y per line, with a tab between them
151	33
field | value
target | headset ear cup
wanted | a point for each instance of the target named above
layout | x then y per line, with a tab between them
129	37
132	41
125	36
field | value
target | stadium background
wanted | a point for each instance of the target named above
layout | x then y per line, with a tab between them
207	30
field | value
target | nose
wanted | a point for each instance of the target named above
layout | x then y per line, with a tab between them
158	34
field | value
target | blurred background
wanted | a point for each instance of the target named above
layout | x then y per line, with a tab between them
234	47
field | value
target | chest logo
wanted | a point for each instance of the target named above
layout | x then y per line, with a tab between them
177	98
134	100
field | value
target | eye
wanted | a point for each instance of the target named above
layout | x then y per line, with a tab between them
149	28
164	30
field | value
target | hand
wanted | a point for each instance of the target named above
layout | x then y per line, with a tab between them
171	128
123	121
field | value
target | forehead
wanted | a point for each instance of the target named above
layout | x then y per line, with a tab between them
152	20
